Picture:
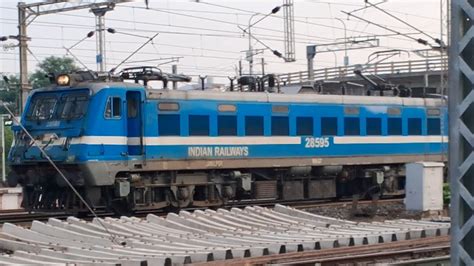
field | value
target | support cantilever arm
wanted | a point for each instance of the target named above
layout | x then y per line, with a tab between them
275	52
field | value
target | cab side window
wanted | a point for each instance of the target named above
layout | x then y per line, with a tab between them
113	108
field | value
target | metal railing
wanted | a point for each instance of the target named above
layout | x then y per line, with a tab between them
385	68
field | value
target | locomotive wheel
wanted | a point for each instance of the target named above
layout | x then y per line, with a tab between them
184	197
375	192
227	192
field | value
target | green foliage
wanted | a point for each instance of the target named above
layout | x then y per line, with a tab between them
9	93
8	138
52	64
8	144
446	193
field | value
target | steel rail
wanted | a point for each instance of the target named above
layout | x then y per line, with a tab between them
24	217
407	249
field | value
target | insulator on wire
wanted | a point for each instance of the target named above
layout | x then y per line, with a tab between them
275	52
424	42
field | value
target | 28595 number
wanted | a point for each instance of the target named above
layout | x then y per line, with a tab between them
316	142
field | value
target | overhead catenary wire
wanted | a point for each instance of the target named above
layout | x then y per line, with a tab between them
222	6
212	35
358	5
266	39
220	21
418	40
210	72
201	18
233	34
296	20
203	68
178	54
165	54
238	34
244	12
191	47
192	69
404	22
215	35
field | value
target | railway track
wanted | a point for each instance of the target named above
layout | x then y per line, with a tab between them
306	204
358	255
23	217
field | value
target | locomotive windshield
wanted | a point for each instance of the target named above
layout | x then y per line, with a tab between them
72	106
42	107
53	106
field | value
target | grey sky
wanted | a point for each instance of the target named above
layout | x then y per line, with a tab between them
207	36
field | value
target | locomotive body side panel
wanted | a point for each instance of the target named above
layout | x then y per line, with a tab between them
176	147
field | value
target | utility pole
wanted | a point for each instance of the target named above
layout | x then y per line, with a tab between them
99	13
25	86
289	31
263	66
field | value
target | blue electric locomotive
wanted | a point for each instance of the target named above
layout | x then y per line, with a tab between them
124	145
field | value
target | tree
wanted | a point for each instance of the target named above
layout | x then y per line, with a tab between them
8	144
51	65
9	92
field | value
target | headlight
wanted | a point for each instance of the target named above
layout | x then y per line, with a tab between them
63	80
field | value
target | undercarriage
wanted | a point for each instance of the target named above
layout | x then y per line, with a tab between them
154	190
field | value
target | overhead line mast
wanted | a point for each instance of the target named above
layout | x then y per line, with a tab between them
289	30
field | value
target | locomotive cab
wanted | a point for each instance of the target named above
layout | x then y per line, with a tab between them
76	124
50	117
